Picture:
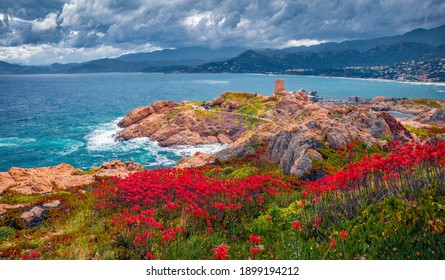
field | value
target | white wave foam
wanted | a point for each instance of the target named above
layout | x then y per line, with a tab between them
188	150
103	138
71	147
15	141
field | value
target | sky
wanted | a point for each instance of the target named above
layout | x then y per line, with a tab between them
40	32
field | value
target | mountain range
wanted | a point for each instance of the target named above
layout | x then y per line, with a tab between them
414	45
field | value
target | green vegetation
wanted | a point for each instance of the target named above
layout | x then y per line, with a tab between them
427	102
335	160
252	206
426	132
88	172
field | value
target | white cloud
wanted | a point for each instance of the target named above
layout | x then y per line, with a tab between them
47	54
196	19
128	25
49	23
302	42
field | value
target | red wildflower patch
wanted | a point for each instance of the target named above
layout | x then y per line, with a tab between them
150	256
255	239
254	251
296	225
221	252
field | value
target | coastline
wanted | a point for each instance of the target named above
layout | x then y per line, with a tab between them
252	73
348	78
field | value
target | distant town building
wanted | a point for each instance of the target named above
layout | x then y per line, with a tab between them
355	99
379	98
313	96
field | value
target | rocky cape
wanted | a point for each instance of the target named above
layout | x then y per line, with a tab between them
286	127
63	176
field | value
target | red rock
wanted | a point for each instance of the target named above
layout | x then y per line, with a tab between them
136	115
44	179
198	159
224	139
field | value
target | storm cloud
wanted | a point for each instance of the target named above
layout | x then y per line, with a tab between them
119	26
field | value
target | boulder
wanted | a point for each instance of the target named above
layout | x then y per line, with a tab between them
198	159
224	139
303	163
290	150
34	215
163	106
433	117
136	115
231	105
5	207
119	169
6	181
52	204
144	128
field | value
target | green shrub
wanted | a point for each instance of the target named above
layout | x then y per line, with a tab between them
6	233
244	172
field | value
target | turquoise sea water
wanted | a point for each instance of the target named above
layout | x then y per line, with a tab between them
50	119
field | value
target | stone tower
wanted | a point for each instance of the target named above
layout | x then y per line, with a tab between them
279	86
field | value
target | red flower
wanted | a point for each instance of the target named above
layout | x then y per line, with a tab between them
296	225
150	256
318	220
255	239
221	252
343	234
254	250
210	230
332	244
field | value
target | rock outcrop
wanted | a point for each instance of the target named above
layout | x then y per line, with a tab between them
43	179
116	168
63	176
294	145
290	126
199	159
432	117
405	106
34	215
185	123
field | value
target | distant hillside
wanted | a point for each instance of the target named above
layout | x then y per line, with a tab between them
433	37
183	56
8	68
106	65
279	62
415	45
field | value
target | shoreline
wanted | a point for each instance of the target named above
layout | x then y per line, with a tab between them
347	78
252	73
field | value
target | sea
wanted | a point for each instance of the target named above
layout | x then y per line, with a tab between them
46	120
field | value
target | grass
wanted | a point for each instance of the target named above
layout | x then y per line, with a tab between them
427	102
87	172
335	160
425	132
